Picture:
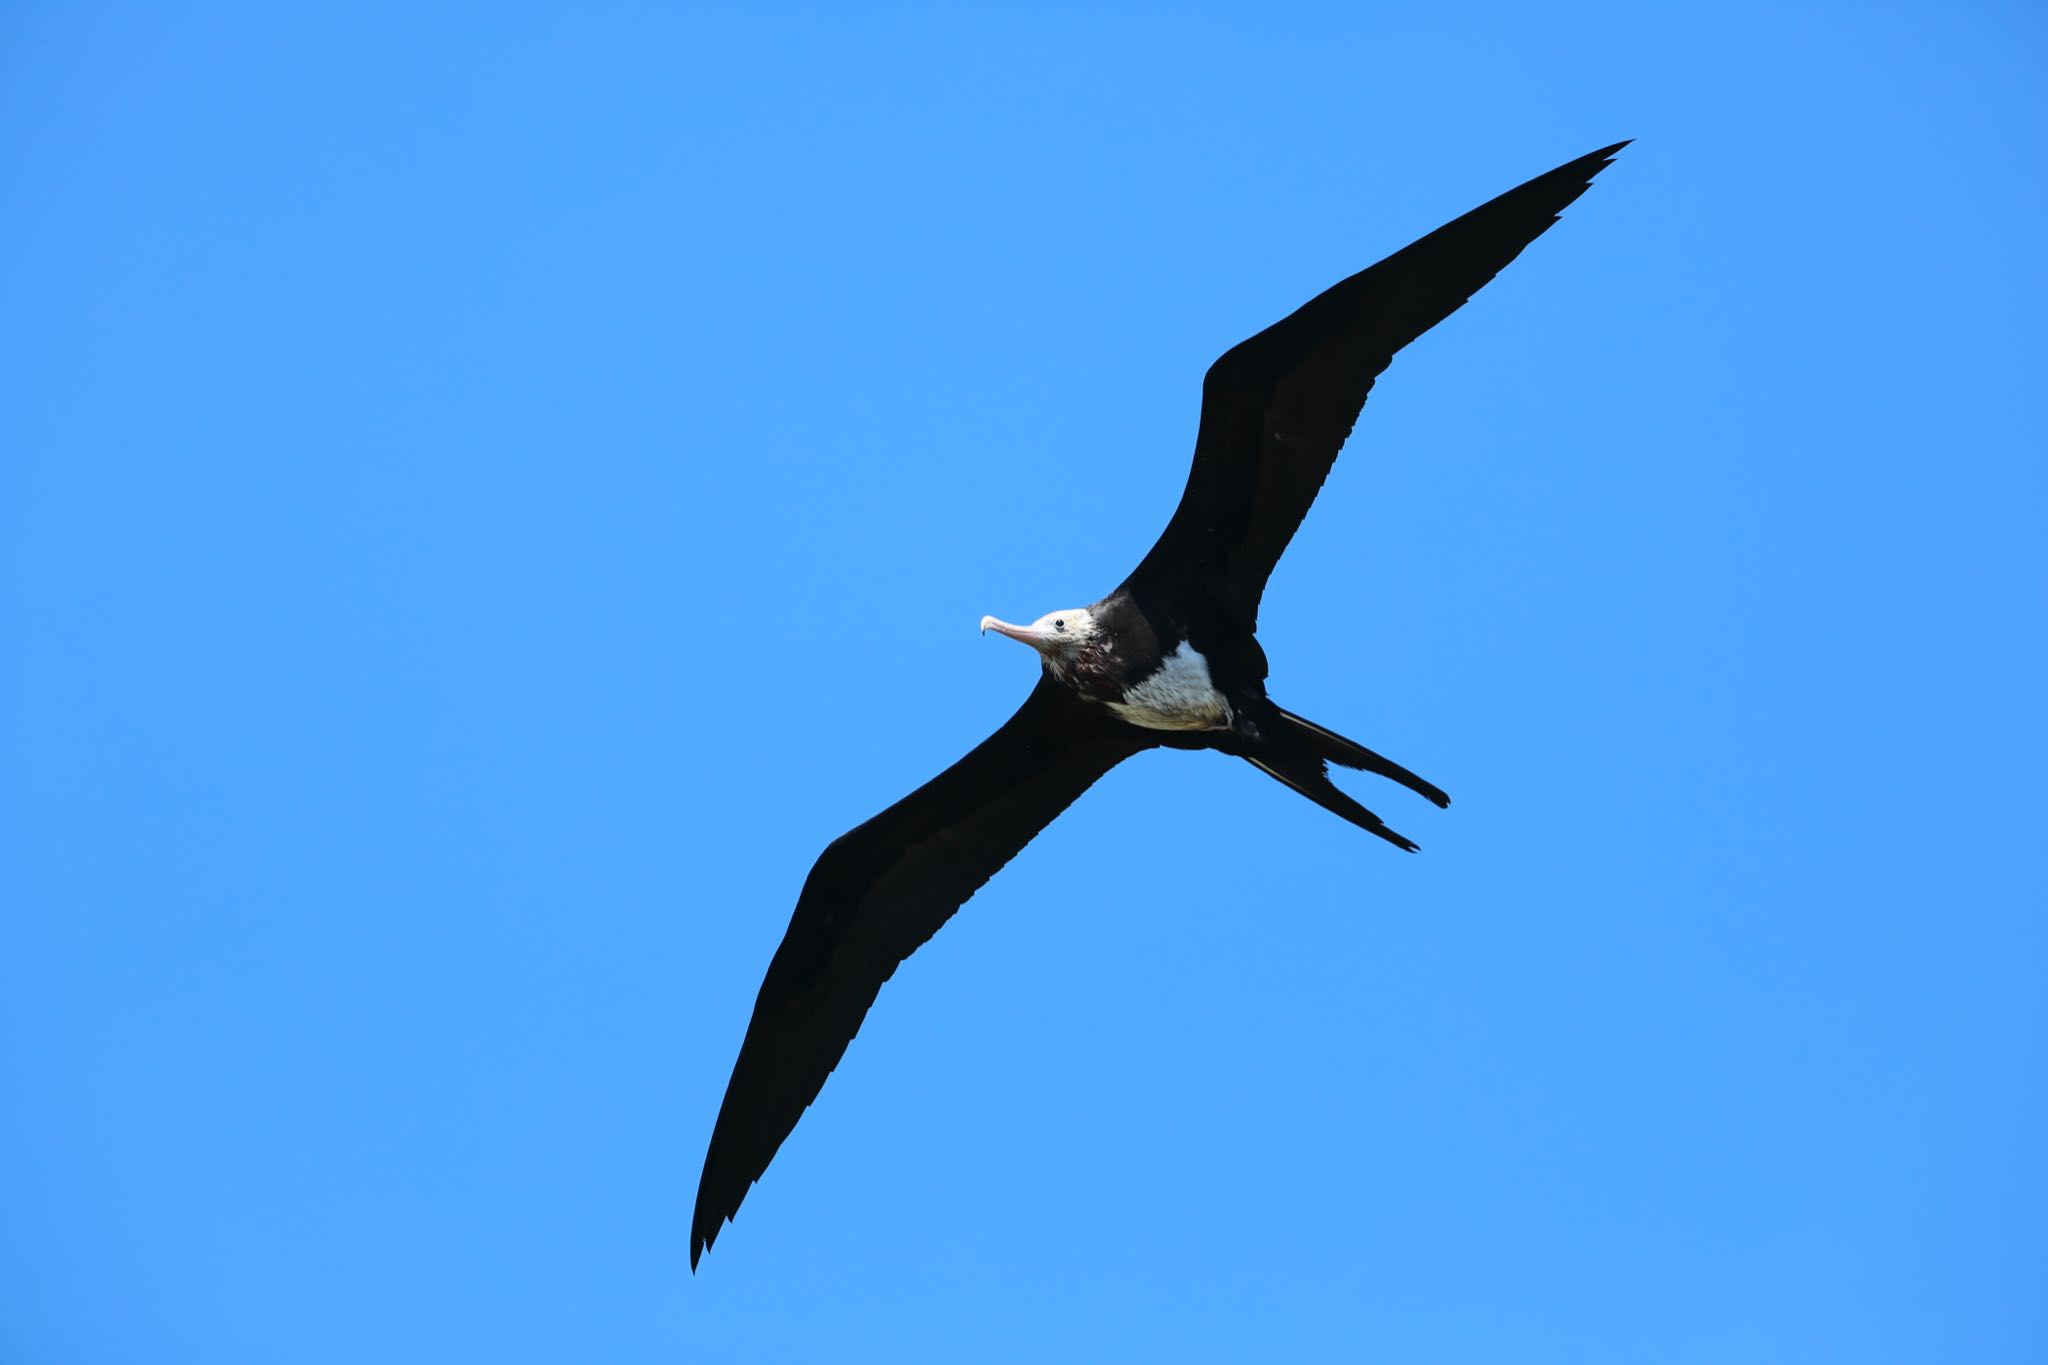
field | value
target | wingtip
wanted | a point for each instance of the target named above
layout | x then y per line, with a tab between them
702	1236
1592	163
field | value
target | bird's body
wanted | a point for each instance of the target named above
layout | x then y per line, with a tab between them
1171	658
1178	694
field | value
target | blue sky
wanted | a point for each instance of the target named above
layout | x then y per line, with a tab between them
485	498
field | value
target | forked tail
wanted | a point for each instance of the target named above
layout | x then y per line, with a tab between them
1337	749
1307	774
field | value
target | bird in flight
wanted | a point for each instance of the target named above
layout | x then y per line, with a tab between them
1170	659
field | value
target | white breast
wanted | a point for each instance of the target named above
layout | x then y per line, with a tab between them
1178	697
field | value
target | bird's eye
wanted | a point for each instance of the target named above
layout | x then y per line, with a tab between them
1059	625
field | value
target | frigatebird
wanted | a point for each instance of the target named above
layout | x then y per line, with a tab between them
1171	658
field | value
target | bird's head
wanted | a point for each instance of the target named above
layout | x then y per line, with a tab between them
1060	635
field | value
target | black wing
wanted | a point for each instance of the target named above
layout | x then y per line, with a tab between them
876	894
1277	408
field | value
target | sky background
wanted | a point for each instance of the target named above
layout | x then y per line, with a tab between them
485	498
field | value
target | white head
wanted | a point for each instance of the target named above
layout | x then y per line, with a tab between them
1057	635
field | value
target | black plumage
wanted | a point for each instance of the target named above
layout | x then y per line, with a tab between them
1171	658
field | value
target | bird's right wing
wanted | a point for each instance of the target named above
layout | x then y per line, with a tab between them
1278	407
875	895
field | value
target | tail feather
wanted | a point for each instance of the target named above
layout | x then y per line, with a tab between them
1332	746
1308	775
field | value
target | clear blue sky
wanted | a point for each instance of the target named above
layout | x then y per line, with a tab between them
487	498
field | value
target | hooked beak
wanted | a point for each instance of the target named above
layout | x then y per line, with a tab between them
1037	639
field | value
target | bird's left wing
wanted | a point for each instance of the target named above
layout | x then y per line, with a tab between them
876	894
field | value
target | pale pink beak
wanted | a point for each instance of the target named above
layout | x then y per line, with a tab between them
1037	639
